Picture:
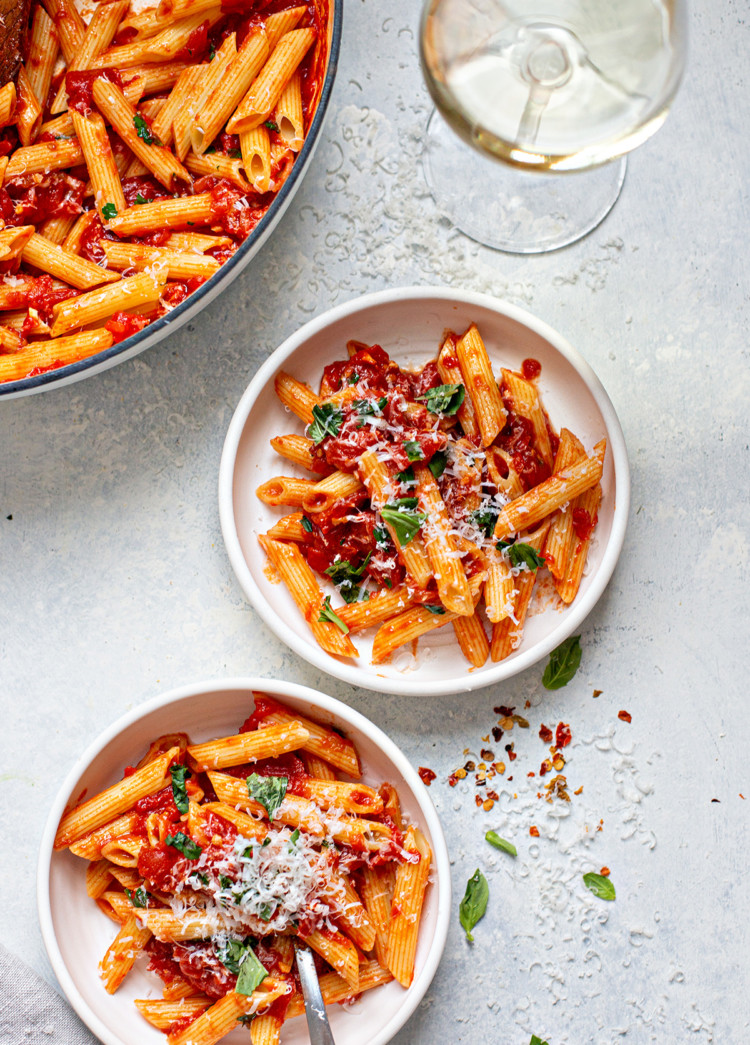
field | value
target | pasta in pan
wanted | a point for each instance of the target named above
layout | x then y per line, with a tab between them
214	858
431	497
138	150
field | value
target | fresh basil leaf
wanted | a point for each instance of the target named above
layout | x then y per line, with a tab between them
143	130
438	462
599	885
563	663
141	199
484	518
307	525
327	614
353	378
413	450
445	399
109	211
381	535
179	776
251	974
438	610
407	476
269	791
345	576
402	517
138	897
368	407
185	845
271	125
537	1041
225	882
499	843
474	903
520	554
266	912
327	420
294	836
232	953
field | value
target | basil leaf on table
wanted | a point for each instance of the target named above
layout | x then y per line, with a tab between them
599	885
563	663
537	1041
268	791
500	843
474	903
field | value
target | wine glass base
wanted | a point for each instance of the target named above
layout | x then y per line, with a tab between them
514	210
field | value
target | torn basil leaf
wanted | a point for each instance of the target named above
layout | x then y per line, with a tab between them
331	617
403	518
437	463
189	849
327	420
179	775
269	791
444	399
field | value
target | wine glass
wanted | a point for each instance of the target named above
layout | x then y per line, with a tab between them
559	91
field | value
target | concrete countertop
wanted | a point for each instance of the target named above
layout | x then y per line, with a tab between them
115	586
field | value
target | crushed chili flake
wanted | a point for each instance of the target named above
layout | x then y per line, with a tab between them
493	795
545	767
499	767
426	775
579	790
563	736
545	733
487	805
506	723
452	780
502	710
497	734
741	795
558	762
625	716
470	766
521	721
487	755
534	832
601	826
486	740
605	872
557	788
597	693
478	800
460	774
715	799
531	773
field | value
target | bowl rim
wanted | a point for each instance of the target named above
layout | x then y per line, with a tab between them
410	686
194	302
279	688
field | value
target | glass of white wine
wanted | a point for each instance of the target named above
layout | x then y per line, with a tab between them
558	91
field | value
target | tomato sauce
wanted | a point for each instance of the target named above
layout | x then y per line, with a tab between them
583	523
31	199
80	87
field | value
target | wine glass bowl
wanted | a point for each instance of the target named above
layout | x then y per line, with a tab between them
550	86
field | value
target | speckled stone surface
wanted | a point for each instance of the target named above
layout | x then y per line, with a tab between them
114	583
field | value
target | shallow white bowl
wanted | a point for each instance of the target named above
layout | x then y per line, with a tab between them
76	933
409	324
192	305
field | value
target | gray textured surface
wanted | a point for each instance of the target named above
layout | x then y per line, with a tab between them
114	584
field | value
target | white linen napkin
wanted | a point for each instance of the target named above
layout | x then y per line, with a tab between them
32	1012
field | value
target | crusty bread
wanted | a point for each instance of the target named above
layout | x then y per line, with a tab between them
14	16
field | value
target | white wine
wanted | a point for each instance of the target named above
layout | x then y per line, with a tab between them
553	84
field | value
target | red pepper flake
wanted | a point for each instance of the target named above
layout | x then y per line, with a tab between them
741	795
545	733
605	872
601	826
625	716
534	832
597	693
579	790
545	767
452	780
478	800
497	734
531	774
493	795
509	779
563	736
487	755
427	775
715	799
503	711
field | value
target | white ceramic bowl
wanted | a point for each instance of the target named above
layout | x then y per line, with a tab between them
409	324
228	272
76	933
